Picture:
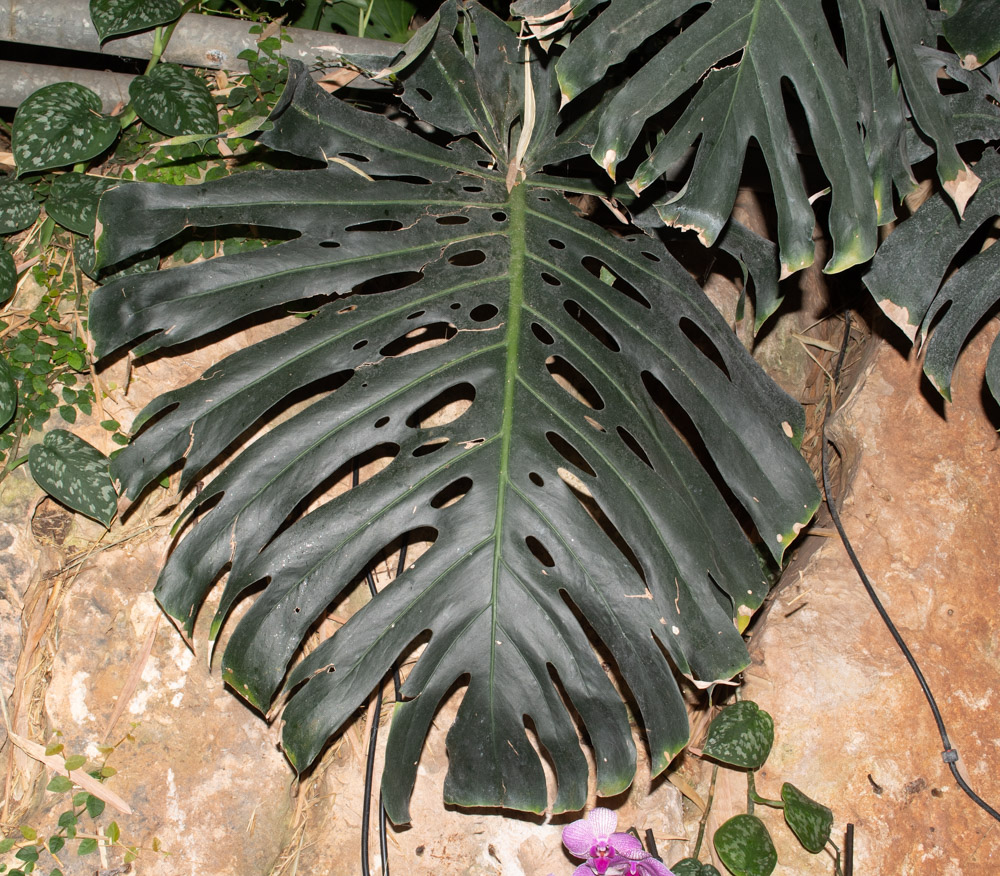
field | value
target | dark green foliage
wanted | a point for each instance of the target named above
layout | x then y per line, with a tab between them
400	240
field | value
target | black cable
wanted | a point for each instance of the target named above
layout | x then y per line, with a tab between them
366	806
949	755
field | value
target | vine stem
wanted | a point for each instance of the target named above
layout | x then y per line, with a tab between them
161	36
704	815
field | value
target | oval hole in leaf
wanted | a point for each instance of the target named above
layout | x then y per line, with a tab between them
359	345
353	156
499	216
591	325
452	220
445	407
556	244
329	244
568	452
467	258
472	189
573	381
685	429
483	312
651	256
425	94
421	338
416	314
376	225
454	492
550	279
536	479
539	552
430	447
704	344
542	335
596	266
629	439
381	421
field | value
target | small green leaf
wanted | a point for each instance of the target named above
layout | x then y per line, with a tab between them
741	735
87	846
29	854
76	473
67	819
175	101
18	207
693	867
55	747
59	784
73	200
810	821
75	761
112	832
7	844
745	846
8	393
116	17
29	833
55	871
95	806
58	125
56	843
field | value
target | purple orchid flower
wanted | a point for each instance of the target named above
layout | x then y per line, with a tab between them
640	863
593	838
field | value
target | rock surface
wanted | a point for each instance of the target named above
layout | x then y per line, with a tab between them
852	728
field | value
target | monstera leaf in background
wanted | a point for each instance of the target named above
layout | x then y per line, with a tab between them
735	71
618	469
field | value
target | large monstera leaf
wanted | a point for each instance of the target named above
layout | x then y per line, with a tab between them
578	496
736	59
916	282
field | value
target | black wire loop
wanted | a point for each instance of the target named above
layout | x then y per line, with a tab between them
949	755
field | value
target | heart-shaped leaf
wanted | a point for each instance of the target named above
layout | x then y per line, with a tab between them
117	17
8	275
18	207
60	124
75	473
810	821
693	867
8	393
741	735
175	101
745	846
72	202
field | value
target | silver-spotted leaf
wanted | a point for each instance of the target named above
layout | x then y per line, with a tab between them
8	275
693	867
175	101
72	201
8	393
745	846
560	494
741	735
59	125
118	17
75	473
18	207
810	821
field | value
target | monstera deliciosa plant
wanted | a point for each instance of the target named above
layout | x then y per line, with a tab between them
621	469
602	471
